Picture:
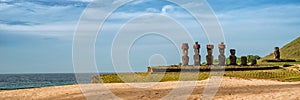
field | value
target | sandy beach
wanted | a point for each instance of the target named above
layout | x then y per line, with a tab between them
231	88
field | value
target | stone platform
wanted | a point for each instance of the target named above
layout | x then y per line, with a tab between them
209	68
281	60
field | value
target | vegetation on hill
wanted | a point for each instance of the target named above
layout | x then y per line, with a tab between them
289	51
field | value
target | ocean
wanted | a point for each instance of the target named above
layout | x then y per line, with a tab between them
23	81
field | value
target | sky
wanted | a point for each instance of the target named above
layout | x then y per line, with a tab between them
36	35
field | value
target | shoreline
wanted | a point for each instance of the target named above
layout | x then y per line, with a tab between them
34	87
224	77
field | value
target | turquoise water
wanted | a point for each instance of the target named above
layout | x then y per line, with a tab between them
23	81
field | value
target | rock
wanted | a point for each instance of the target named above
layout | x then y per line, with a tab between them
95	79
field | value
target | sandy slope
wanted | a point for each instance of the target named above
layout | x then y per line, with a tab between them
231	88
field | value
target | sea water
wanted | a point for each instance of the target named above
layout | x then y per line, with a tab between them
23	81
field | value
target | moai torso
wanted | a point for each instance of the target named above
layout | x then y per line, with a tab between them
222	57
276	53
253	62
197	57
232	57
209	56
185	57
244	61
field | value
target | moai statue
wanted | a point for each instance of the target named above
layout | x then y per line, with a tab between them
232	57
276	53
197	57
253	62
244	61
209	56
185	57
150	70
222	57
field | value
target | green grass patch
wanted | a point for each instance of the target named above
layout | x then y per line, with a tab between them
292	79
283	75
277	63
295	67
154	77
279	75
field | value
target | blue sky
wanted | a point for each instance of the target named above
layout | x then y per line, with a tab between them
36	35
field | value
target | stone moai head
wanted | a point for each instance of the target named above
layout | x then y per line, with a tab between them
244	60
185	47
196	45
232	51
222	48
276	48
209	49
196	48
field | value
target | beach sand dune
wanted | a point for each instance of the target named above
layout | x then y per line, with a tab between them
231	88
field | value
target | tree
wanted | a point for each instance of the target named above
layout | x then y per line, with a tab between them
252	57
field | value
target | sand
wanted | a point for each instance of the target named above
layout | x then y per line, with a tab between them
231	88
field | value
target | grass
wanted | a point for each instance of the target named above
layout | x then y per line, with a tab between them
154	77
277	63
283	75
289	51
295	67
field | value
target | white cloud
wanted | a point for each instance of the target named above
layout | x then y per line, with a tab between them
136	2
5	0
86	0
31	18
166	9
193	4
152	10
269	16
51	17
4	6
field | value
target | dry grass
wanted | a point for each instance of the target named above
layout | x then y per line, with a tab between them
289	51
